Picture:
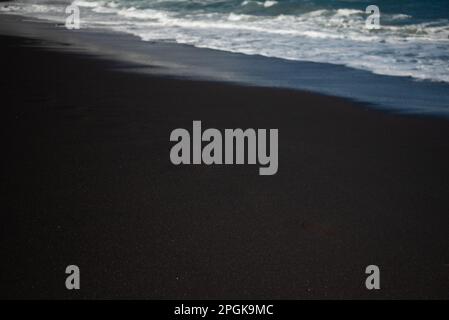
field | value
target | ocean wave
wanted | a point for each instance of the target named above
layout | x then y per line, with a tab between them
400	16
265	4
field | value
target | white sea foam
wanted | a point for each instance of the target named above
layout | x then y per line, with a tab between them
88	4
265	4
268	4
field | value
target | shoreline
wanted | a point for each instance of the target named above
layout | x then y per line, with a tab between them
88	181
397	95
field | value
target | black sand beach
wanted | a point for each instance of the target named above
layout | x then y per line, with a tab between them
87	180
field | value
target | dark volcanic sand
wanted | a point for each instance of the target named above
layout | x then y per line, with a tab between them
87	180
